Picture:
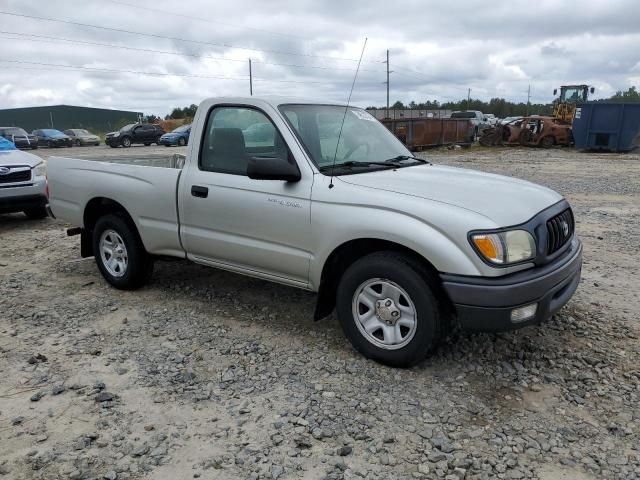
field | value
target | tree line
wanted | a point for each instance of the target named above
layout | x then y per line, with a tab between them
500	107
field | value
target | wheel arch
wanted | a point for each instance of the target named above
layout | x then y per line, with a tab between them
350	251
94	209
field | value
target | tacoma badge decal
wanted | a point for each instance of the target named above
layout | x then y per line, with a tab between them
285	203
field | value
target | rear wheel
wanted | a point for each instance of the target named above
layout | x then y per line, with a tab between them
120	254
36	213
387	307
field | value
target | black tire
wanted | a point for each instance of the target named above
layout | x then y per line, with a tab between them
49	144
547	142
421	288
36	213
34	147
125	142
167	145
78	143
147	144
139	263
113	146
182	142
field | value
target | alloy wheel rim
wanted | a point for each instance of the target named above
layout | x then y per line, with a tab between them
113	253
384	313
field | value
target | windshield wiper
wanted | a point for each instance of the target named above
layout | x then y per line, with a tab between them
401	158
352	163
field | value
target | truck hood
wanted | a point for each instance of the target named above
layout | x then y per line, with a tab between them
505	200
18	157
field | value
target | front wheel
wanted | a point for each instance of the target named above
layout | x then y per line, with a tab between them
182	142
547	142
78	143
388	309
126	142
120	254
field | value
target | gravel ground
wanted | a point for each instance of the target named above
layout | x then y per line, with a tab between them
207	374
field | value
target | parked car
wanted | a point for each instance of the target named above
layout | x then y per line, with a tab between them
476	117
80	136
19	137
491	119
506	120
402	248
259	132
23	185
178	136
49	137
144	133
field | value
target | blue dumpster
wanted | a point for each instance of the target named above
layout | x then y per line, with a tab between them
607	126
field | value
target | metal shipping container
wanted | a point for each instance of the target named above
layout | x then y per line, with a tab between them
419	133
607	126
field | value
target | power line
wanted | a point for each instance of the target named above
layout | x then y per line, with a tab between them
178	39
62	40
190	17
160	74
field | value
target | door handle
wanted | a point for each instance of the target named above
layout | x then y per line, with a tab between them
198	191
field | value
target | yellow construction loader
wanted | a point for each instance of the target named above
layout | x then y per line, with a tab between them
564	107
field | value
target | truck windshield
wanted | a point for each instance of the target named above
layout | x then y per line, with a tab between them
364	140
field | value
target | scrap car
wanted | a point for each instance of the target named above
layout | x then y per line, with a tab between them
532	131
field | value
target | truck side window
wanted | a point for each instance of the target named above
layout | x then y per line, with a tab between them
233	135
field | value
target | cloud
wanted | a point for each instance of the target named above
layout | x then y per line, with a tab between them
308	49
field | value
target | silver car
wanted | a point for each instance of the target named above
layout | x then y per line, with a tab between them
80	136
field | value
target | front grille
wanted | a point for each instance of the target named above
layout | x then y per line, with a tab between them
16	176
559	230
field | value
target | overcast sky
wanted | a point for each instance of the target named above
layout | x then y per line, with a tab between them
309	48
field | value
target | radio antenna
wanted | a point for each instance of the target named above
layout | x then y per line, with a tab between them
345	112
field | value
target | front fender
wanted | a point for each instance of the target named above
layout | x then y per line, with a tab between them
363	222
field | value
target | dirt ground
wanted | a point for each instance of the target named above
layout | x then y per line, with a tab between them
207	374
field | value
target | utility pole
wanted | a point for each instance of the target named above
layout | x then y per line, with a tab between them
468	98
387	82
250	80
528	98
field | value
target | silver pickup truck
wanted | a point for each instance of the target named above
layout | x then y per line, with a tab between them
285	191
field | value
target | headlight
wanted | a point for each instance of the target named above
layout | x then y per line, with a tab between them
504	248
40	170
117	134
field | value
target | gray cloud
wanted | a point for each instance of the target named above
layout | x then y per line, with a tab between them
437	50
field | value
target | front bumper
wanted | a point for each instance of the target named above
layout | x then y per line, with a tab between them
59	142
168	141
485	304
21	203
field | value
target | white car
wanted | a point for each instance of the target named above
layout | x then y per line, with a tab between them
23	185
401	248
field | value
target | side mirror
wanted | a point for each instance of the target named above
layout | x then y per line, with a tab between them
555	91
592	90
271	168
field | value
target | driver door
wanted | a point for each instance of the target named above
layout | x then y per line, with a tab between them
260	227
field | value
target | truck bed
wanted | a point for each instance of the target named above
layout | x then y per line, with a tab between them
145	186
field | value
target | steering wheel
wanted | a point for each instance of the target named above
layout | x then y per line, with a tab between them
352	150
